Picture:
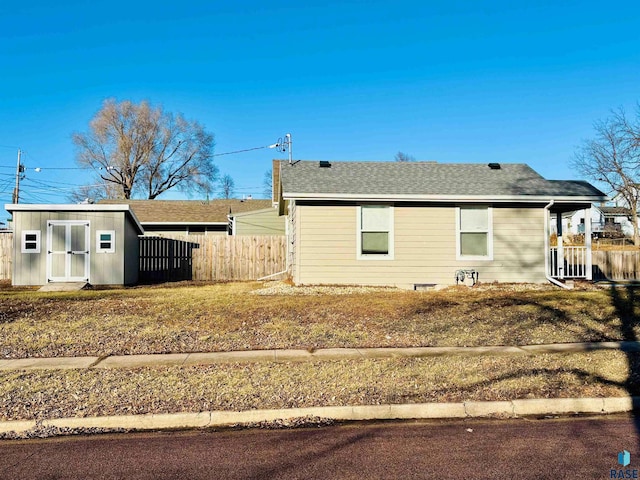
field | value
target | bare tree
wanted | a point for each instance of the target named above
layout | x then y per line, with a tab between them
93	193
404	157
145	151
267	184
613	157
227	187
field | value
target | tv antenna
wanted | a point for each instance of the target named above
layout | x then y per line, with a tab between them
284	145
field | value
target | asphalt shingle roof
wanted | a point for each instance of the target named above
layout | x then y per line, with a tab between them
615	211
189	211
425	178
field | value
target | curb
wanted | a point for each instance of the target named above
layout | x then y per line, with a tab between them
298	355
472	409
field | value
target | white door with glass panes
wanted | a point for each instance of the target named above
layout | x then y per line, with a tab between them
68	251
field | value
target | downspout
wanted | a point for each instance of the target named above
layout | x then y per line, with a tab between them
547	220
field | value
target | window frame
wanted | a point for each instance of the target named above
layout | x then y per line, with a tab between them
390	239
37	241
488	231
111	249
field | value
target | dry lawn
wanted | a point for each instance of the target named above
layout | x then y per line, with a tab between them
189	318
79	393
222	317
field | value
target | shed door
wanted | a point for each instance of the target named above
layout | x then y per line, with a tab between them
67	251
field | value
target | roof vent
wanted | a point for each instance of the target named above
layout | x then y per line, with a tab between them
494	166
325	164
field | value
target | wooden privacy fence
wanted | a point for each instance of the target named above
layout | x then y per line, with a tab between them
242	257
165	259
6	251
222	257
616	265
195	257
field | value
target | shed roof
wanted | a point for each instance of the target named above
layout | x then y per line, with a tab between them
189	211
70	207
310	179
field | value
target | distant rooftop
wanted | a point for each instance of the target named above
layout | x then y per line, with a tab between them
189	211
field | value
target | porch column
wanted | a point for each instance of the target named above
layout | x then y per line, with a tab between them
560	259
587	243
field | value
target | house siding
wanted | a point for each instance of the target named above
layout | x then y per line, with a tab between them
151	230
263	222
425	247
294	232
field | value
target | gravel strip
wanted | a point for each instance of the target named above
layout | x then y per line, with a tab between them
282	288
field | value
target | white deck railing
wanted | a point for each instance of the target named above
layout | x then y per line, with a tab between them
574	265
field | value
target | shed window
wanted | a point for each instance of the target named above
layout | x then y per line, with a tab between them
31	241
475	233
375	231
105	241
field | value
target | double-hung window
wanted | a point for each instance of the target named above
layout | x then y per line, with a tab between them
375	232
474	233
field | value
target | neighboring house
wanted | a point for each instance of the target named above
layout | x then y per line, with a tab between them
213	217
604	220
617	219
257	222
413	223
74	243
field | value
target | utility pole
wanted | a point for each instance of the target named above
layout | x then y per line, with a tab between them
19	170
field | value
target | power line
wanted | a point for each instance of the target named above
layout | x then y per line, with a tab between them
275	145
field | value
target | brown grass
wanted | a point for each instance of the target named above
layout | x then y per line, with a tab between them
191	318
78	393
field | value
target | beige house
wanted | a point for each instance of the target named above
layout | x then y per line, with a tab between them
413	224
212	217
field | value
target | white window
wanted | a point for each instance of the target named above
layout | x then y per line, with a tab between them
105	241
375	232
474	233
30	241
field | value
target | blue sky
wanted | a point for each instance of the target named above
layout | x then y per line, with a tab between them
451	81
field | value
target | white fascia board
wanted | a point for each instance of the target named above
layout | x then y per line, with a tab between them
74	207
444	198
67	207
185	223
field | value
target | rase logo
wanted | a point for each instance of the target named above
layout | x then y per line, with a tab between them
624	459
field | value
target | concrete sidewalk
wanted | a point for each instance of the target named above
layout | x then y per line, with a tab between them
291	355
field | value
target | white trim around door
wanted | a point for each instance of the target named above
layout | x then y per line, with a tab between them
68	247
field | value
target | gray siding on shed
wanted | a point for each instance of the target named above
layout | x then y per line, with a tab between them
105	268
132	253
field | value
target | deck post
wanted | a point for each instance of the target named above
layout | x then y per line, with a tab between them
560	260
587	244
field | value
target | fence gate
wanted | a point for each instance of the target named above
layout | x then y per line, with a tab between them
165	259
